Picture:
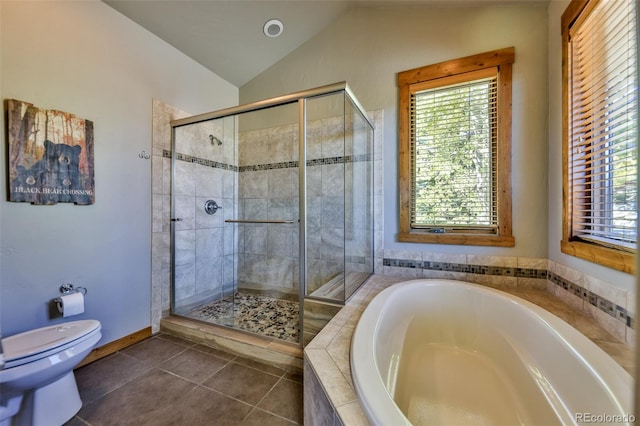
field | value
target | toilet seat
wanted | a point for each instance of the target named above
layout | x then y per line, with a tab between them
36	344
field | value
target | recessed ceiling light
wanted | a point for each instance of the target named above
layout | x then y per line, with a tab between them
273	28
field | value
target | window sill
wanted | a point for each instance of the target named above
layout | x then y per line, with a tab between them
611	258
457	239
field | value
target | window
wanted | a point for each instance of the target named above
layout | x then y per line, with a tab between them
455	151
600	129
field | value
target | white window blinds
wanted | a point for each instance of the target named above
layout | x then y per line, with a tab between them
453	152
603	124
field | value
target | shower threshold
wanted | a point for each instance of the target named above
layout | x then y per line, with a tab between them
249	345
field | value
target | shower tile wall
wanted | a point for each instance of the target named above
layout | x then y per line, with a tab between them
378	190
268	189
162	115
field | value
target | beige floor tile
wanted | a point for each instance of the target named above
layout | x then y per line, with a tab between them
107	374
241	382
281	400
154	350
137	401
259	417
193	365
201	407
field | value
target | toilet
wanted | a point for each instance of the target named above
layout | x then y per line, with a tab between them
37	385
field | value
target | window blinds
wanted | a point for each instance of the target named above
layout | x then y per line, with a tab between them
453	153
603	124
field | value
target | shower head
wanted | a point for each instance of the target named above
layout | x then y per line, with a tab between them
213	140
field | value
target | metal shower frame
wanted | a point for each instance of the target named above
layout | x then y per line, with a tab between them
300	97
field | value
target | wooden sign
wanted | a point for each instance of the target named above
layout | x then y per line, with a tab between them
50	156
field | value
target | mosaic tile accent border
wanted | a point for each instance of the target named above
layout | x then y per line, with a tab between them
201	161
268	166
316	162
606	306
467	268
618	312
340	160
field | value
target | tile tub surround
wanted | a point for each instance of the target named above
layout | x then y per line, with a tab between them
612	308
329	397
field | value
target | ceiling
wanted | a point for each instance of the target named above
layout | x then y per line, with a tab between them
226	36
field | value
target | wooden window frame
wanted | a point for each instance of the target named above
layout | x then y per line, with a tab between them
621	260
501	59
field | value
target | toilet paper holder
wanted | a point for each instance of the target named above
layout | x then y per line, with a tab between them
70	303
68	289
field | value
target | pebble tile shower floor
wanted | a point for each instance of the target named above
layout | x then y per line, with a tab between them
259	314
165	380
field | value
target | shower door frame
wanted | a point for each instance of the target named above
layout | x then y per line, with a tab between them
301	98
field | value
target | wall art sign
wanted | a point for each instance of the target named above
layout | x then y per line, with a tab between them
50	155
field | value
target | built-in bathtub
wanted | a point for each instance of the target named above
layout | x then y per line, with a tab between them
450	352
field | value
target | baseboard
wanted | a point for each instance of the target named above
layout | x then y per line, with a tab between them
115	346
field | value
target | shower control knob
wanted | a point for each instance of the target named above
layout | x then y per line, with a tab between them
210	207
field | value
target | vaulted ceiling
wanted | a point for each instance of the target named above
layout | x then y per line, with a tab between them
226	36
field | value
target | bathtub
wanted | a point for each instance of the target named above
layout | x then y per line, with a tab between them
444	352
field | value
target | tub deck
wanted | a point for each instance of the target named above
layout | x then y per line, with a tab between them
452	348
329	393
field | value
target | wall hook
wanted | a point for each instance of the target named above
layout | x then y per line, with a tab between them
143	154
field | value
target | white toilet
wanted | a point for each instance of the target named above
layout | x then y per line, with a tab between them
37	385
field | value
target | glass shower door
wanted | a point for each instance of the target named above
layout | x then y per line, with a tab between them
268	222
339	197
325	134
204	182
358	199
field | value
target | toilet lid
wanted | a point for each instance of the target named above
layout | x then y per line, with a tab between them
34	344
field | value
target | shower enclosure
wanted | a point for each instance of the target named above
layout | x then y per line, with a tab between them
272	211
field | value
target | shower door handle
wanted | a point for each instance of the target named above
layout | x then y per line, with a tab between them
176	219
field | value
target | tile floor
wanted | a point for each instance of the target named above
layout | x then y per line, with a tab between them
165	380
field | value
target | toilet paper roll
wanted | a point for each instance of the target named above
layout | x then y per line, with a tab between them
71	304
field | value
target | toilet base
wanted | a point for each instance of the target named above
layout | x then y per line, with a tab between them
53	404
9	406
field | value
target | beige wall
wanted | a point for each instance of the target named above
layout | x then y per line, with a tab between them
368	46
87	59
